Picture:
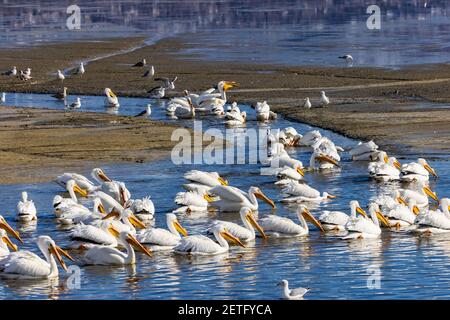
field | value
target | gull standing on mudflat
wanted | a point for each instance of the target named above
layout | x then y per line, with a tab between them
149	73
324	100
10	73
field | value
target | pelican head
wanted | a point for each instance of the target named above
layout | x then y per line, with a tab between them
354	205
227	85
46	244
99	175
425	164
325	158
430	193
413	207
5	239
5	226
299	169
125	215
172	221
72	185
260	195
328	196
221	231
109	93
247	215
127	237
374	208
322	93
445	204
303	210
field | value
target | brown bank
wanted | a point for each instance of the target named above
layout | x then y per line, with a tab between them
386	105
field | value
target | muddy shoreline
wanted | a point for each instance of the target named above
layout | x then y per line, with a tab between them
366	103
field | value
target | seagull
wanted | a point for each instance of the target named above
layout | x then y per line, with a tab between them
141	63
60	76
292	294
11	73
146	113
25	76
324	99
3	98
28	72
80	69
76	104
348	59
307	103
168	84
149	73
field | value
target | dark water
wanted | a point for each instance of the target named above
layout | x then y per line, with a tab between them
411	267
302	32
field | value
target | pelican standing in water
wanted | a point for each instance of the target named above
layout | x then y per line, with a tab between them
26	210
161	239
338	220
233	199
367	227
27	265
417	171
292	294
281	227
244	233
107	256
111	100
201	245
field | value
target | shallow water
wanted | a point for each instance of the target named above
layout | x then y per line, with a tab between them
411	267
304	32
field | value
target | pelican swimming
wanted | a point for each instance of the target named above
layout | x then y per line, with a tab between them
420	195
86	234
324	100
364	151
210	101
307	103
105	255
61	204
263	112
202	181
201	245
292	294
310	137
435	221
281	227
111	100
385	171
320	161
390	201
233	199
235	116
185	113
288	175
301	192
161	239
60	75
27	265
417	171
290	137
337	220
124	220
244	233
78	214
403	216
192	201
143	208
366	227
26	210
61	95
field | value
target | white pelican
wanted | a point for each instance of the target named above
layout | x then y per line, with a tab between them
162	239
235	116
143	208
437	221
83	234
310	137
61	95
348	59
185	113
389	202
281	227
292	294
244	233
60	76
403	216
324	100
61	204
420	195
145	113
192	201
263	111
364	151
26	210
80	70
337	220
320	161
416	171
202	181
27	265
201	245
307	103
366	227
301	192
149	73
386	171
210	101
5	226
104	255
125	220
10	73
76	104
6	244
233	199
141	63
290	137
111	100
77	214
288	175
326	146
